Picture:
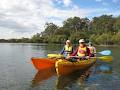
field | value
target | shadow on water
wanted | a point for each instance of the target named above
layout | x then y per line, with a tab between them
66	82
42	75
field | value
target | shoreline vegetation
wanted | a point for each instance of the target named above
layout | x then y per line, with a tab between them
102	30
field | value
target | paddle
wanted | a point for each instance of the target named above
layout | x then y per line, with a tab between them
105	52
106	58
55	55
103	58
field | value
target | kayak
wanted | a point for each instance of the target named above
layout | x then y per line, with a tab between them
64	67
43	63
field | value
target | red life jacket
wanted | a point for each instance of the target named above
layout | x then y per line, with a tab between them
82	51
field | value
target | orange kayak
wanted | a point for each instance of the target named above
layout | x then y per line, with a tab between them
64	67
43	63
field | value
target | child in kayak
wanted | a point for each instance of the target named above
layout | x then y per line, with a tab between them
82	51
92	49
67	49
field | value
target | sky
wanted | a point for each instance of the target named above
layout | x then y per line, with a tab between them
24	18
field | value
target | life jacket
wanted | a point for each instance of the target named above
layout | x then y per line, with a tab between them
82	51
91	49
68	49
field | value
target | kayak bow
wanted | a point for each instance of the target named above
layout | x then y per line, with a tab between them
43	63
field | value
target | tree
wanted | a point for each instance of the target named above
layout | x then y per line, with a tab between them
117	24
76	24
50	29
104	39
37	38
116	38
101	30
103	24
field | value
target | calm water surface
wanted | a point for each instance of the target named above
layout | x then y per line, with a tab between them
18	73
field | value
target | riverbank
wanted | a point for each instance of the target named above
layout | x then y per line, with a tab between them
114	45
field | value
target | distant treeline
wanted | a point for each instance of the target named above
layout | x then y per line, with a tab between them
22	40
100	30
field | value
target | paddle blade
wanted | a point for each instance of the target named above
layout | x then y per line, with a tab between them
55	55
106	58
105	52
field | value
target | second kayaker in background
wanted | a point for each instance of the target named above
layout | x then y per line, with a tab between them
67	49
82	51
92	49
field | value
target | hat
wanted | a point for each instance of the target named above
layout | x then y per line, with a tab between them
68	41
90	43
81	40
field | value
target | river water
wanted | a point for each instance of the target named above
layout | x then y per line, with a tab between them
18	73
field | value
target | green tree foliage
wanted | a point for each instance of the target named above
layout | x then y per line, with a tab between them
93	38
37	38
104	29
117	25
116	38
104	39
50	29
57	39
100	30
76	24
103	24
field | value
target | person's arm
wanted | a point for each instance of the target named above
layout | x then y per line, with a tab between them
62	51
94	51
72	50
74	53
88	52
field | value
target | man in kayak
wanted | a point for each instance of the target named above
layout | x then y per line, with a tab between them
92	49
81	53
67	49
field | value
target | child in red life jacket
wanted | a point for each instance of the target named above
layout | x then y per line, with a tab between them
82	51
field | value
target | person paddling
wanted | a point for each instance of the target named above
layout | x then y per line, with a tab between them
92	49
67	49
82	51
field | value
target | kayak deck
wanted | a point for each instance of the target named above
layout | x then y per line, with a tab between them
64	67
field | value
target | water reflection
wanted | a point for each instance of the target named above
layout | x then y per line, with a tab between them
104	68
43	75
78	80
66	82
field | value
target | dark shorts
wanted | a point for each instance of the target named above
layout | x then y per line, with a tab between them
92	55
77	59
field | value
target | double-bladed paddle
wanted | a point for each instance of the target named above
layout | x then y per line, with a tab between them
103	58
104	52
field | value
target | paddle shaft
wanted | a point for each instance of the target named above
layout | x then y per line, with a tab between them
103	58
